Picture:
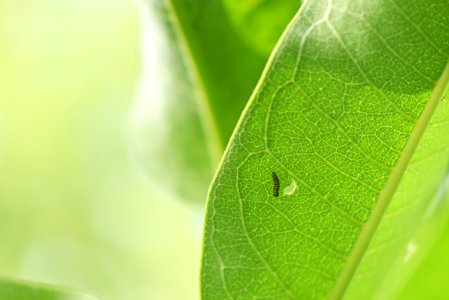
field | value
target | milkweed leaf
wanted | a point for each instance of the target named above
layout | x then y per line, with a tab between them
351	107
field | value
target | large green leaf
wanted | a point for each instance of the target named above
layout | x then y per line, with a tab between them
200	68
351	110
23	290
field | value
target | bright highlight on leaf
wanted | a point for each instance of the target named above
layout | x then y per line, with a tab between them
351	106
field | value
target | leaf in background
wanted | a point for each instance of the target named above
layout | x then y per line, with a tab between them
169	139
429	280
350	109
198	75
23	290
260	23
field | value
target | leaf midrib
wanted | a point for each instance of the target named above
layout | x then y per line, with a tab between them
387	193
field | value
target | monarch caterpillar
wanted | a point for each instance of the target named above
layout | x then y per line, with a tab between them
275	184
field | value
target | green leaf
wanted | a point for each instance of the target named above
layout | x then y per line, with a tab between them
429	281
350	110
24	290
260	23
200	69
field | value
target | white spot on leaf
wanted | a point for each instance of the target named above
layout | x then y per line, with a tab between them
291	189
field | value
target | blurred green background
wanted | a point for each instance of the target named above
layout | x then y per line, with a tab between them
73	209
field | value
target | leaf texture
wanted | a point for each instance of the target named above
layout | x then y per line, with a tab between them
351	110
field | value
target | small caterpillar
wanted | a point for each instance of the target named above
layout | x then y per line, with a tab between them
275	184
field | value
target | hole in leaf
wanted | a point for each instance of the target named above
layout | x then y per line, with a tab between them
291	189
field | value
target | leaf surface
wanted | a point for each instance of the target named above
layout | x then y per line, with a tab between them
350	110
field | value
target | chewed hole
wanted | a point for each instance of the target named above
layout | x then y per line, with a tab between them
291	189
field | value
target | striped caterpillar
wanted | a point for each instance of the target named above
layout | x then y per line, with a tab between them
275	184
